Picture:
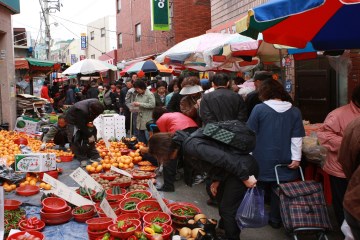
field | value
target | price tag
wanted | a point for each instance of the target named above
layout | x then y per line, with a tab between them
65	192
84	179
158	197
2	213
109	212
122	172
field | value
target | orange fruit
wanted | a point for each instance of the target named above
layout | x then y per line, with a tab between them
22	184
94	164
99	168
13	186
92	169
42	185
33	182
47	186
131	165
88	167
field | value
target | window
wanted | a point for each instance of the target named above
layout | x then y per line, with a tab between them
92	35
120	40
138	32
118	5
93	56
103	32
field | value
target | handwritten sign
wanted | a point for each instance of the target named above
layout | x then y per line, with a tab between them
109	212
84	179
158	197
122	172
65	192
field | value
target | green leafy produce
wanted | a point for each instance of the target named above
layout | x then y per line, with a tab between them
140	195
130	206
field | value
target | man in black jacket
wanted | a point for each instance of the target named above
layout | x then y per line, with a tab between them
80	117
222	104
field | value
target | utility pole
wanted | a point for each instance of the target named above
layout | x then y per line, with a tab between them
46	7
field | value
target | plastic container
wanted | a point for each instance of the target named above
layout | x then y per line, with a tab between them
153	206
149	217
54	205
123	202
97	224
167	231
38	227
129	194
27	190
34	233
82	217
128	216
113	229
66	158
11	204
176	206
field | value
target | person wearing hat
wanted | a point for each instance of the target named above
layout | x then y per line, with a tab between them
191	90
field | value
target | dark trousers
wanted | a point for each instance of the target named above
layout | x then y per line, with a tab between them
82	149
353	223
230	194
274	200
141	136
169	173
127	118
61	138
338	189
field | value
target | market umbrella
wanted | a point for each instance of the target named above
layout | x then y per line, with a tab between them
205	52
88	66
148	66
320	24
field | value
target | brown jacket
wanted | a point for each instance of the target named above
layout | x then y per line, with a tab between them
349	158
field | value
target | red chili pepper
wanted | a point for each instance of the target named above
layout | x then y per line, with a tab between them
33	221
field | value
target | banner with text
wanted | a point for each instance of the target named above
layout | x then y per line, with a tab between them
160	16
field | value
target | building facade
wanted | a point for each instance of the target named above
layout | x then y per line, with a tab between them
7	67
57	50
72	53
135	39
101	37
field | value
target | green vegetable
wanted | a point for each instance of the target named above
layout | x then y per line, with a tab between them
121	224
158	220
81	210
106	236
139	195
130	206
130	229
116	190
185	211
156	228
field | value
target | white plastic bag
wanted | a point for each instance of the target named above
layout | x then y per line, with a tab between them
345	228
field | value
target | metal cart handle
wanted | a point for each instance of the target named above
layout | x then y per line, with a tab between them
285	165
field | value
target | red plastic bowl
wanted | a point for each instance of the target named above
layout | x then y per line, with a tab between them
149	217
167	231
34	233
27	190
97	224
54	205
66	158
38	227
179	205
52	215
96	234
148	176
153	205
128	195
54	174
128	216
107	177
126	200
21	140
92	194
11	204
113	229
109	193
122	185
82	217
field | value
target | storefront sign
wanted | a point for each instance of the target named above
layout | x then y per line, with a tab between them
85	180
83	41
160	16
63	191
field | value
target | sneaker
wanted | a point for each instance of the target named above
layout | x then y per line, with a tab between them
198	179
165	189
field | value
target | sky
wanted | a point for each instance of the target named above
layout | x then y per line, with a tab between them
69	19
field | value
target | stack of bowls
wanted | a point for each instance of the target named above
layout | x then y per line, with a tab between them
55	211
97	227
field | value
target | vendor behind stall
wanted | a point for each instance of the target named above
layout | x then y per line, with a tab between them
80	117
58	133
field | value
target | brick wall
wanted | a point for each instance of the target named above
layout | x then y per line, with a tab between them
225	10
354	74
189	20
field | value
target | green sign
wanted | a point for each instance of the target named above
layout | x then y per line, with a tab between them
160	17
13	5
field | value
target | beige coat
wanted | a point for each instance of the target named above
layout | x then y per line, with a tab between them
147	104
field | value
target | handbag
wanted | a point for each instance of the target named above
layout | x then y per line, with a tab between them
233	133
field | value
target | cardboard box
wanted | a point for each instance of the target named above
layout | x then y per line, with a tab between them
35	162
27	125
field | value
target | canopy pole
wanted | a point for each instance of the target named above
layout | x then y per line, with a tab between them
282	72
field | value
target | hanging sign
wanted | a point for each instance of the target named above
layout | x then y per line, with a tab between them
83	41
160	16
84	179
109	212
